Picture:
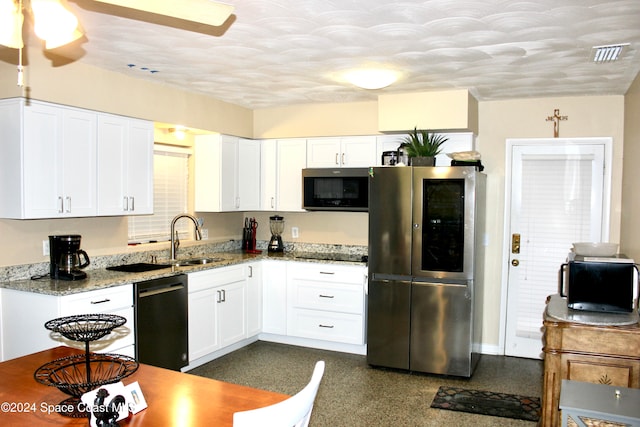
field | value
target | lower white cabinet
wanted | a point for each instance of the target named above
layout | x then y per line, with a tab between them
217	309
274	299
326	302
25	313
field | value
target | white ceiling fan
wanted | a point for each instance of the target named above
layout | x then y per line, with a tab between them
56	25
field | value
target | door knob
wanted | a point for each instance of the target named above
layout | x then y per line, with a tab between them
515	262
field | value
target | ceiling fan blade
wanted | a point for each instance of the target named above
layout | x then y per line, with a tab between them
201	11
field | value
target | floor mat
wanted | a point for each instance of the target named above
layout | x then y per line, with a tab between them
487	403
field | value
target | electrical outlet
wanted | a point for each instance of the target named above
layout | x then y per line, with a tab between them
205	233
294	232
45	247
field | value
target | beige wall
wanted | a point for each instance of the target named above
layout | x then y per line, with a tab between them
630	237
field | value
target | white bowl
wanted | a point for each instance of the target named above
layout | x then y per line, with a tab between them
595	249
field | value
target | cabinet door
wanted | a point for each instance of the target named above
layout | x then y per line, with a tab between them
268	174
254	299
140	167
323	152
229	174
274	297
43	188
358	151
112	165
78	166
248	175
291	159
232	315
203	332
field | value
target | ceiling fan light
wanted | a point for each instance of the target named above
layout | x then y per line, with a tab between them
371	78
54	23
11	20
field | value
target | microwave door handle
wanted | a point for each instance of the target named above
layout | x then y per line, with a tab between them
637	287
561	281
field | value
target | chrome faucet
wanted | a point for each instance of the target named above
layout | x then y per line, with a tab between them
175	242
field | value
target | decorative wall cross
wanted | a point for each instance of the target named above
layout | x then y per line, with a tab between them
556	118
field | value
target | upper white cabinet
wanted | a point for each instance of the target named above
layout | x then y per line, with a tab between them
125	166
61	161
282	164
48	159
227	173
355	151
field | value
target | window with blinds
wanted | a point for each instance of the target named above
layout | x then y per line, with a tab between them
170	197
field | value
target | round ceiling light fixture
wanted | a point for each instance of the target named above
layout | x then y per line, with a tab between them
371	78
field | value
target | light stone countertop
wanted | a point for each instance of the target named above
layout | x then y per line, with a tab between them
557	309
100	278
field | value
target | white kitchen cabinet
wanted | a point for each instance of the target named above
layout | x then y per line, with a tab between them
281	176
217	309
25	313
274	299
227	173
48	161
291	159
326	302
254	298
124	166
355	151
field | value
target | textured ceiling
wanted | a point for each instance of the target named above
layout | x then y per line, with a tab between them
283	52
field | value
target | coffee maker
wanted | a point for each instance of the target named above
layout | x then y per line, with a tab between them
66	258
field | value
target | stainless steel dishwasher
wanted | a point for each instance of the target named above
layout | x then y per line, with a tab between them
161	322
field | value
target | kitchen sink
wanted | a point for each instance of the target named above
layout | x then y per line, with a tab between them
138	267
195	261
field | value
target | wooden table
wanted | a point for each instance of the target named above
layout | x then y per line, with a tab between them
173	398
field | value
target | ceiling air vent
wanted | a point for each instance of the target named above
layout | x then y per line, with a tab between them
609	53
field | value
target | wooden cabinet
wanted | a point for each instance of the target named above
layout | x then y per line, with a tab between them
217	309
25	313
599	354
326	302
355	151
48	160
227	173
125	166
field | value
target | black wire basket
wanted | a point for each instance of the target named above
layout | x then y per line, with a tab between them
78	374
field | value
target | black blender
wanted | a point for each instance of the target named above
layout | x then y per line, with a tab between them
66	257
276	225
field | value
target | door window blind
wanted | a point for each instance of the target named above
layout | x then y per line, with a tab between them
170	197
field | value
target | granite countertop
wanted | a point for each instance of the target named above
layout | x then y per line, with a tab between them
557	309
100	278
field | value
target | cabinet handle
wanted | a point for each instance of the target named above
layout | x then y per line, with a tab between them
327	272
237	202
125	203
219	298
326	296
133	203
60	205
224	295
250	271
343	158
68	199
325	326
102	301
273	203
337	154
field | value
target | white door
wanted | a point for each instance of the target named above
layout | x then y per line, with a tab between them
557	193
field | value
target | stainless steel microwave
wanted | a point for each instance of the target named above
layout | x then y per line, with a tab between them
335	189
600	284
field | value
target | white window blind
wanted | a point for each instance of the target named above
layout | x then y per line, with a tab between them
556	211
170	193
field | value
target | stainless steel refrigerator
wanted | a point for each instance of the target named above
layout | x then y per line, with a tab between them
426	240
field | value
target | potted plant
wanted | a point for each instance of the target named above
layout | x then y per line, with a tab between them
422	147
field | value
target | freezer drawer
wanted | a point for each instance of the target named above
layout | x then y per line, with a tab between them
388	326
441	328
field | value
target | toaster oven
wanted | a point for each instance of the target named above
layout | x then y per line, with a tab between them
600	284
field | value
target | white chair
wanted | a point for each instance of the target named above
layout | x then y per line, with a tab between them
295	411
